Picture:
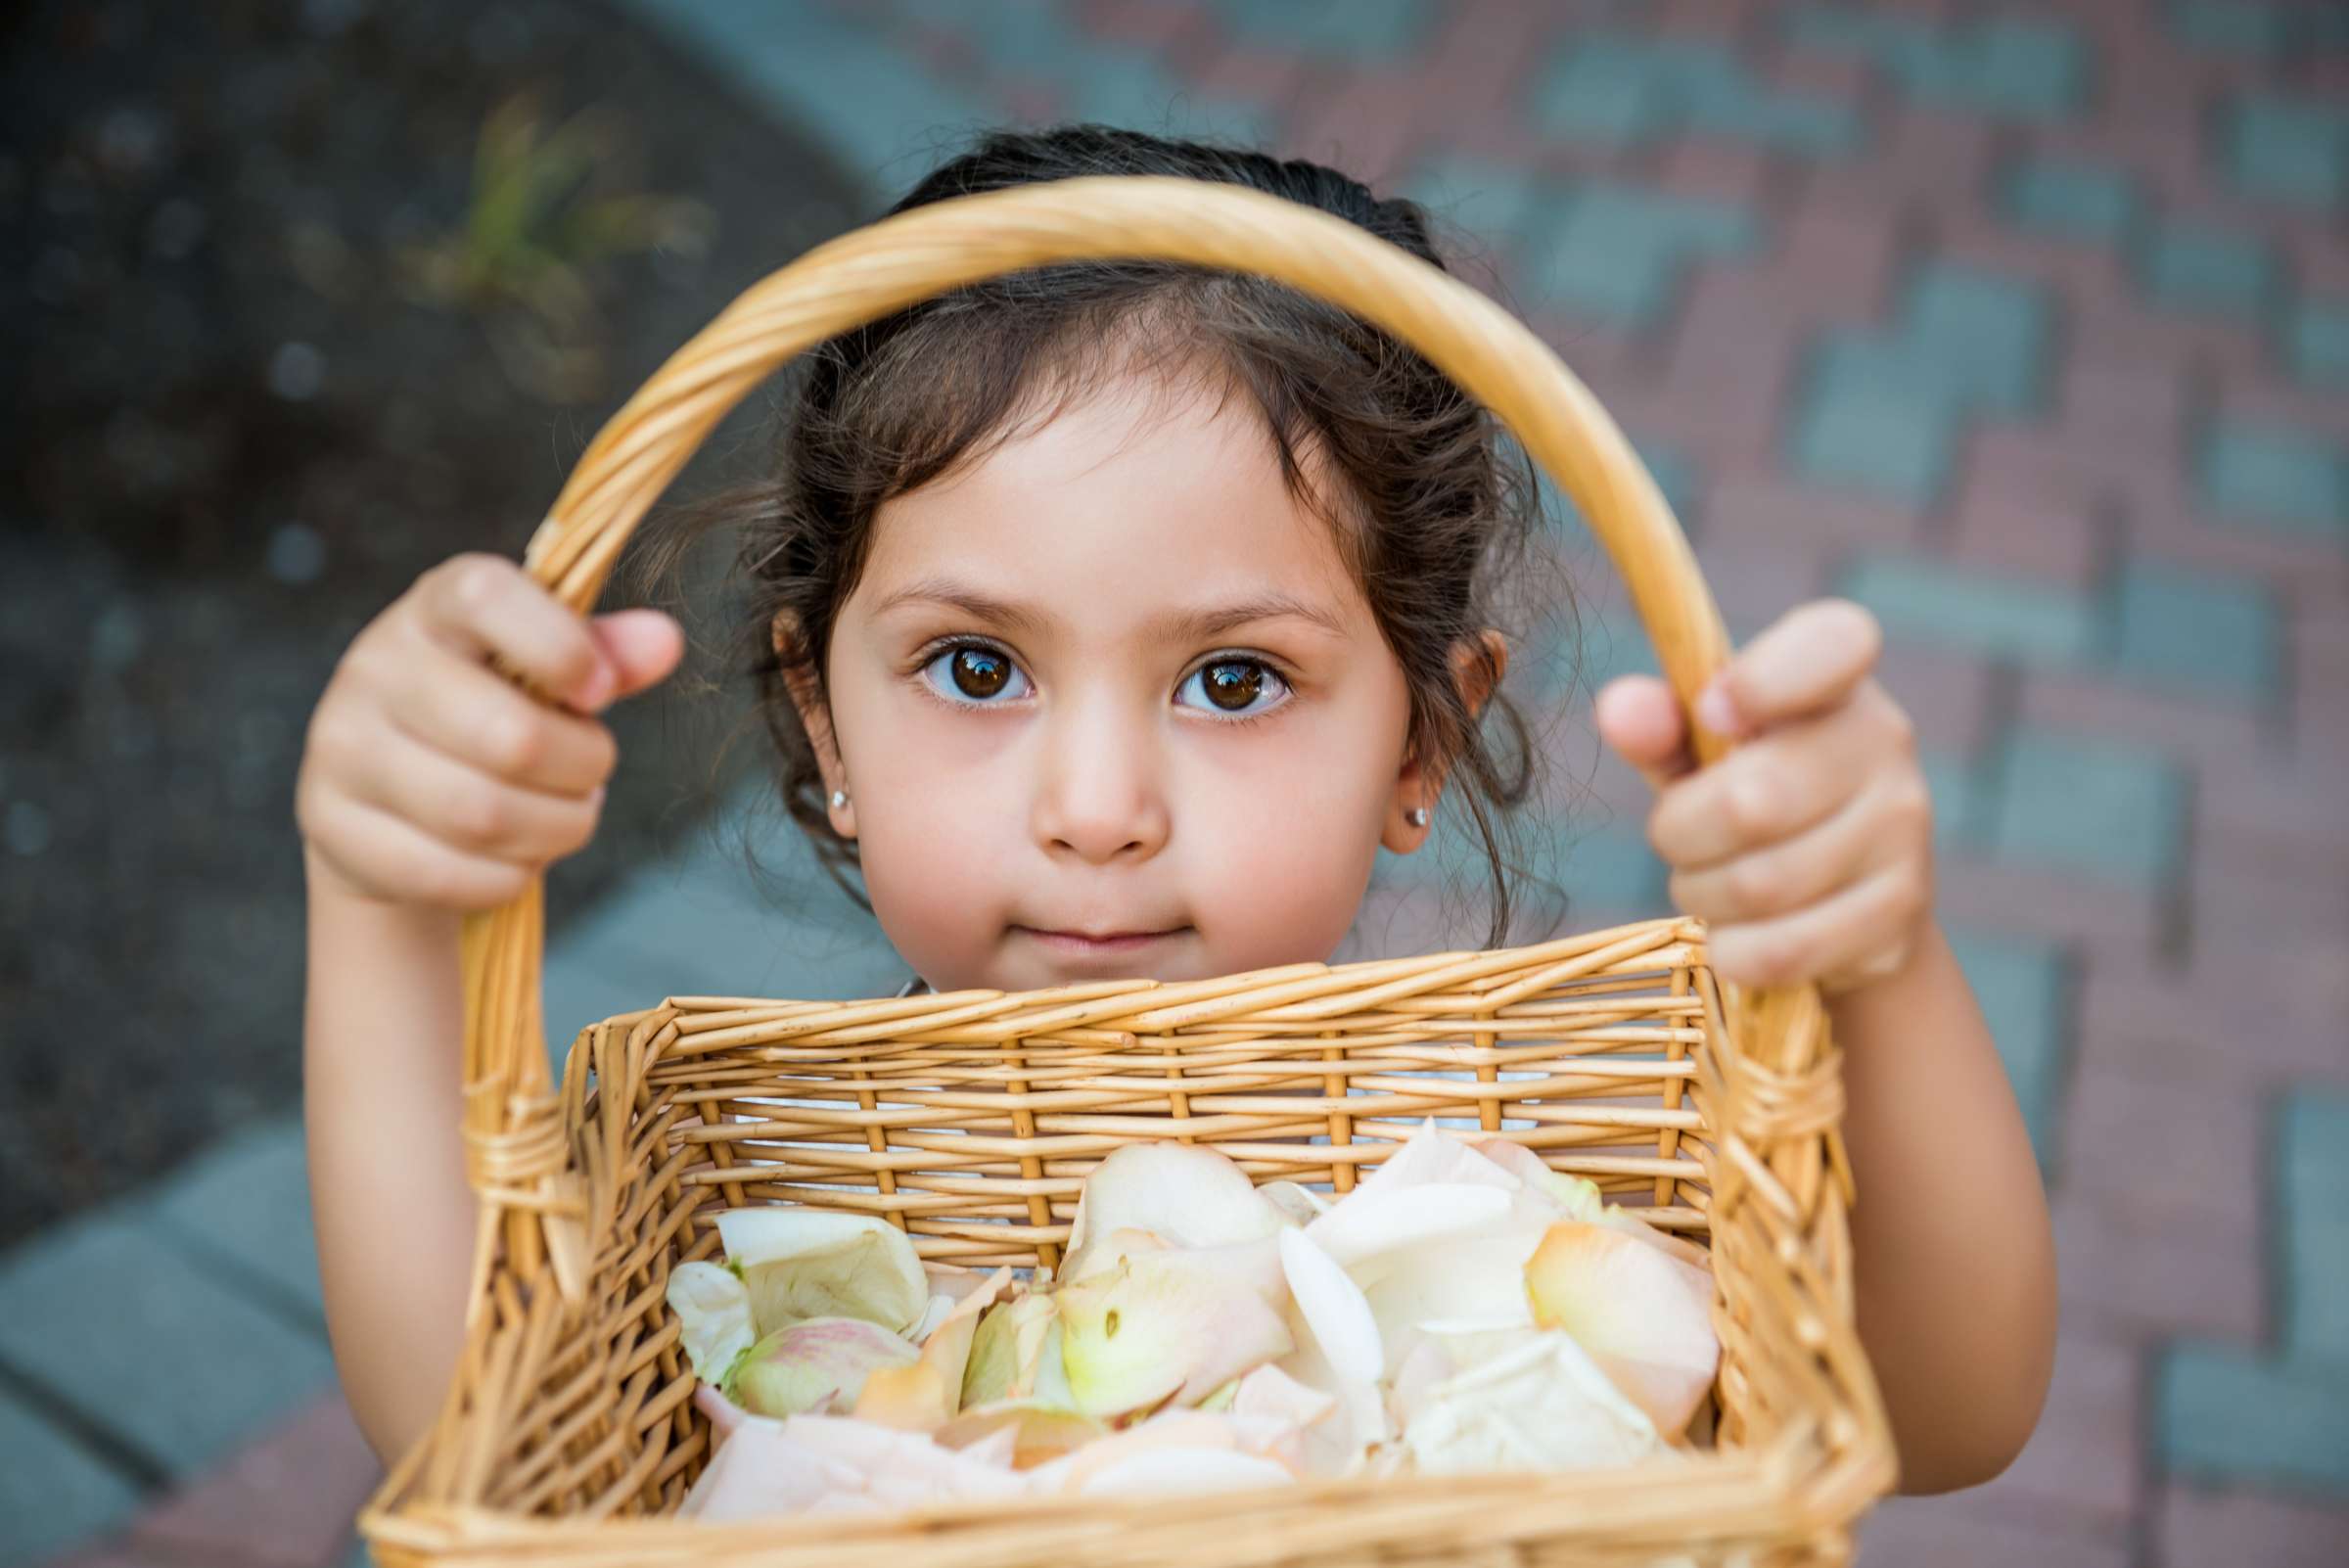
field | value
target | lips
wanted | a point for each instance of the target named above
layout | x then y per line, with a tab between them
1099	941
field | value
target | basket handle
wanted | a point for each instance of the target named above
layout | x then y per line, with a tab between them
915	255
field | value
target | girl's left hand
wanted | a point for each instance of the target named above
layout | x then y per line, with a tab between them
1808	850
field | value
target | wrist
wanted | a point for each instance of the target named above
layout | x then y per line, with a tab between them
1923	960
335	897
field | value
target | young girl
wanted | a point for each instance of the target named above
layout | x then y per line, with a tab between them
1111	617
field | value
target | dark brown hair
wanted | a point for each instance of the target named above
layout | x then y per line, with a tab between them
1429	506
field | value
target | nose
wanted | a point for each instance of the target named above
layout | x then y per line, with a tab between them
1100	794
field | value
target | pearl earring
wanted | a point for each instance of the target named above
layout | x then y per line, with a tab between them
839	799
1416	816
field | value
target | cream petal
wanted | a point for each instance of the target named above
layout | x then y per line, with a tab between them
1476	1280
1006	1348
1371	1222
1432	1154
1579	1198
1544	1405
1333	1306
1187	1195
1641	1314
811	1263
1298	1204
714	1308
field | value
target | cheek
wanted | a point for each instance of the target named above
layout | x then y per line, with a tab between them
932	839
930	852
1282	858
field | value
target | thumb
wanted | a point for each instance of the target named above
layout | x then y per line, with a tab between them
1640	718
642	646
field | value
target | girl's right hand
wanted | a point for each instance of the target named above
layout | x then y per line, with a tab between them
429	779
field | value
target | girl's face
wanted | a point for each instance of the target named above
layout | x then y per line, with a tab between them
1107	704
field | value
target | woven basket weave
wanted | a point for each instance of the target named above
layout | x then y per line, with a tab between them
971	1119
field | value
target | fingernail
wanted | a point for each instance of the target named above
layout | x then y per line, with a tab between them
1715	712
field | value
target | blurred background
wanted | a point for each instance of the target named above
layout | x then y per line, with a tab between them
2025	325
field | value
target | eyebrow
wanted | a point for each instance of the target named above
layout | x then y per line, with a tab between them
1196	625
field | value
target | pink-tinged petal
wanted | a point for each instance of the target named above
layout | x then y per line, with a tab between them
926	1394
1272	1393
1643	1315
724	1413
818	1366
1158	1326
1183	1472
1037	1434
756	1473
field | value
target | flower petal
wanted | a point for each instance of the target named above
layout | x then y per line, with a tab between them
1432	1154
1160	1325
1298	1204
1544	1405
817	1366
1579	1198
1473	1280
926	1394
1185	1195
1183	1472
1040	1434
714	1306
1333	1307
1007	1349
1369	1223
1643	1315
811	1263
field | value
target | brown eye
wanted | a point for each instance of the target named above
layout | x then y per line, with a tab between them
1234	685
979	673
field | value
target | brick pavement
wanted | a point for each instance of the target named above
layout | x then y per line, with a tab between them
2029	328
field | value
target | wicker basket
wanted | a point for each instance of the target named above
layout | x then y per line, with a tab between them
971	1119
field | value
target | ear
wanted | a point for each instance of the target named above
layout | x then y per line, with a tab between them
815	717
1477	668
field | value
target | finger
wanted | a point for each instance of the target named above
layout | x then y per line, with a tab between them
643	646
408	863
1883	822
1772	788
480	604
479	717
470	810
1806	664
1639	716
1858	929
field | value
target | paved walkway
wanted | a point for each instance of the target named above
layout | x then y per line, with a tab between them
2028	327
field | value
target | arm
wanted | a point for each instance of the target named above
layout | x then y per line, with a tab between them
1809	852
1952	1247
430	786
394	1216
